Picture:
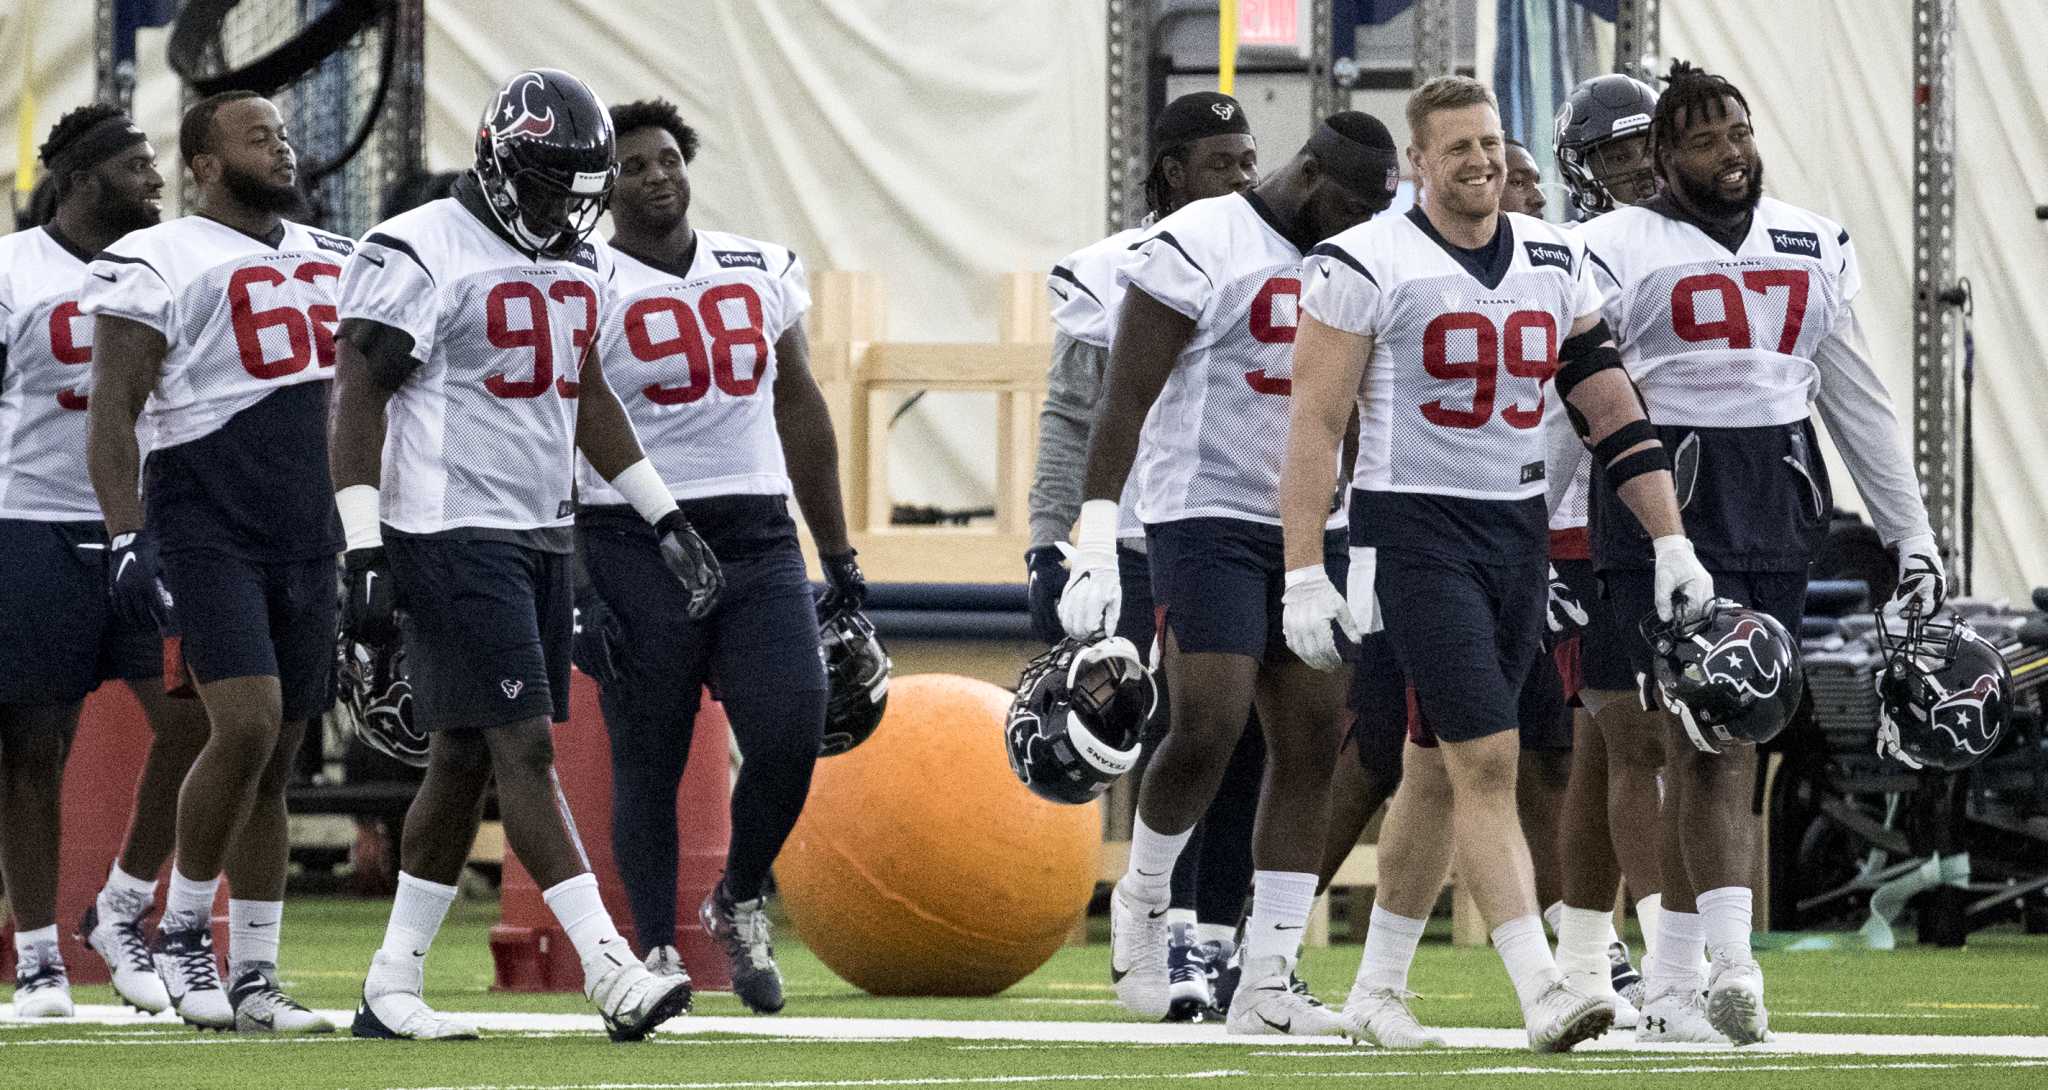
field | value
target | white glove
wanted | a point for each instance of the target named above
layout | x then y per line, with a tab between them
1923	585
1567	613
1888	743
1309	606
1094	597
1684	588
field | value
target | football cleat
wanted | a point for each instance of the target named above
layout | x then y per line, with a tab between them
1735	1000
41	987
191	978
1676	1016
632	1000
393	1009
664	961
1219	960
1187	977
1267	1004
1627	982
1563	1016
1380	1016
1137	954
262	1007
740	928
122	945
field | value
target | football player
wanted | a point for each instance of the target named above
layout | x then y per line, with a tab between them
466	386
1523	192
216	329
1204	148
1735	313
1200	359
59	631
706	350
1447	324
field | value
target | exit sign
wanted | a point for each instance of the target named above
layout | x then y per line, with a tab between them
1273	25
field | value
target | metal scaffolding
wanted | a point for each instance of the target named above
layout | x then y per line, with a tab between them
1323	93
1436	40
1638	38
1128	53
1938	452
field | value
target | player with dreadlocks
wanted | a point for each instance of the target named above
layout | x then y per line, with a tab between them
1735	316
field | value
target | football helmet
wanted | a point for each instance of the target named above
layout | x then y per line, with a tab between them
1944	693
376	700
545	159
857	671
1078	722
1731	676
1599	110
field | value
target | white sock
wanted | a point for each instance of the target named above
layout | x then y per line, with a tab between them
1675	963
1149	877
1390	943
580	910
126	897
1648	911
1725	918
1281	901
1552	915
1582	940
252	933
24	941
1526	954
1216	932
189	904
1178	917
416	915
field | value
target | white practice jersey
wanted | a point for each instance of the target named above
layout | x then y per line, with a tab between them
45	380
1719	338
1458	387
242	318
482	434
1086	296
1215	439
692	358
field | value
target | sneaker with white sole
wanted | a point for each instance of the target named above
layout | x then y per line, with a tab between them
664	961
632	1000
121	943
393	1007
1599	983
1676	1016
1137	954
740	928
1735	1000
191	978
1380	1016
262	1007
41	987
1189	997
1564	1016
1267	1004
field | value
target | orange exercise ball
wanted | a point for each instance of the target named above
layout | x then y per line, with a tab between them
921	866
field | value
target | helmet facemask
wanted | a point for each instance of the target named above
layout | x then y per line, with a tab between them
545	216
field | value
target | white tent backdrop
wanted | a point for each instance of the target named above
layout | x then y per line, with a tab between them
943	144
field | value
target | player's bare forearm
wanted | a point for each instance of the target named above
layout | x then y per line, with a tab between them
809	445
603	432
1328	365
355	443
127	359
1149	338
1608	402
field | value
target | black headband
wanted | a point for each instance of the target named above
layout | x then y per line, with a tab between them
98	144
1365	172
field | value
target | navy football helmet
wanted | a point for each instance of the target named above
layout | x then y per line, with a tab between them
1945	693
1078	722
545	159
1731	676
1600	111
857	671
376	700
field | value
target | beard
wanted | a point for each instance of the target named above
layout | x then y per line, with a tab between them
1706	196
258	195
122	214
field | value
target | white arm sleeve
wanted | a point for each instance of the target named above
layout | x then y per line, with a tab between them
1857	410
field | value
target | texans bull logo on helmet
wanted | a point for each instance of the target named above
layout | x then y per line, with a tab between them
1747	659
1966	716
514	117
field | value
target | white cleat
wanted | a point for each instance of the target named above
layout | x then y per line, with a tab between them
41	987
1137	954
121	944
1600	985
1267	1004
1380	1016
1676	1016
632	1000
664	961
393	1008
262	1007
1735	1000
191	978
1563	1016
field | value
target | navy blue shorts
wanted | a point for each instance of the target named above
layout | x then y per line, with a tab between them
1631	596
762	640
238	617
1466	634
1378	705
59	634
487	629
1601	647
1218	582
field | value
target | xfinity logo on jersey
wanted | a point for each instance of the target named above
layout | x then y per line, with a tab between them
1802	243
1549	253
733	259
340	246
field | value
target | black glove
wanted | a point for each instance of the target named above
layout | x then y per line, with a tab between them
1048	577
369	604
136	582
691	562
846	589
598	647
